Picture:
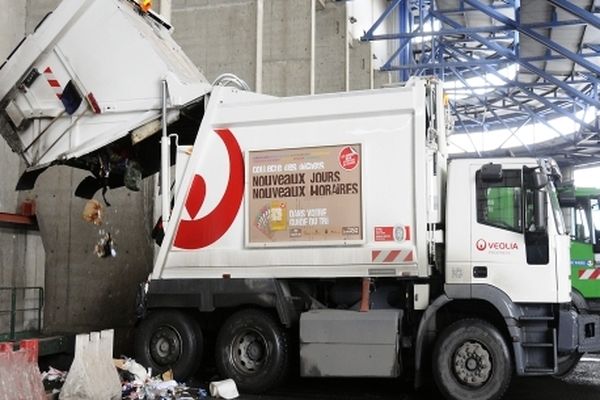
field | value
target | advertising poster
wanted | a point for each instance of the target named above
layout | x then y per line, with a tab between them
309	194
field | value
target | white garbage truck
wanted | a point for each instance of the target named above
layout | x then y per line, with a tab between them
329	229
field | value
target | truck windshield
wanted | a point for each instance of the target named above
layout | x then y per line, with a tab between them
558	217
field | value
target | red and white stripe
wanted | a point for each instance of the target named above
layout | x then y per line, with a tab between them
391	256
53	82
589	274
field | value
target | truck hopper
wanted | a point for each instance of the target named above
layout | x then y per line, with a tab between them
68	95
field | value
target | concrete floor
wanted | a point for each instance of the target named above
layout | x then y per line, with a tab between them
582	384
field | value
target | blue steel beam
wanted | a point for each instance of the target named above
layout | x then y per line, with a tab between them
478	29
463	9
482	101
420	68
382	18
595	47
404	25
514	134
447	64
527	109
585	15
503	89
503	51
460	121
528	84
487	61
401	46
535	96
550	44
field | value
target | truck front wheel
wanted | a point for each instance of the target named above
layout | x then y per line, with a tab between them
252	349
169	339
471	361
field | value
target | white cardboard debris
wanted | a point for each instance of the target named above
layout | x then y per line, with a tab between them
225	389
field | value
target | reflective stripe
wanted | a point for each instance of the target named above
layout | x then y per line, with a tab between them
589	274
391	256
53	82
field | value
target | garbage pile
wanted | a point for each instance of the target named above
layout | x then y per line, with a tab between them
53	379
137	383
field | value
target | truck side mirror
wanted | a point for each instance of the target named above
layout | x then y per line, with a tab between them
491	172
540	211
535	179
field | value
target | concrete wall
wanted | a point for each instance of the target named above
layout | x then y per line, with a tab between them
219	36
224	39
21	251
286	61
12	29
331	48
82	292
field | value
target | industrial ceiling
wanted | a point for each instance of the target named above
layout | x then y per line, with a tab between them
522	76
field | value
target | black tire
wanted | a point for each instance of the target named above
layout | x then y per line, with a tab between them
252	349
169	339
471	361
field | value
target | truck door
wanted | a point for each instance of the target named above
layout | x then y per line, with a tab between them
503	254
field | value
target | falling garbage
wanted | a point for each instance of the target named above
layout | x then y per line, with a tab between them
105	246
92	212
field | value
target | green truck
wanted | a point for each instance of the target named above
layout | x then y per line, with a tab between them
581	209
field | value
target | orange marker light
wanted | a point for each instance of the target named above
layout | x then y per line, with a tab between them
145	5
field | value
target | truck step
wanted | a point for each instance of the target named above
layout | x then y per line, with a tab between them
539	371
549	345
526	318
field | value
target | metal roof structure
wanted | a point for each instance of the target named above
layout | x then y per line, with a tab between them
526	70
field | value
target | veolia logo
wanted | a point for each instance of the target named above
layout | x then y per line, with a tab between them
481	245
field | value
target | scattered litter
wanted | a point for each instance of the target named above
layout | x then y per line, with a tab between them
168	375
225	389
138	383
54	375
92	212
137	370
105	246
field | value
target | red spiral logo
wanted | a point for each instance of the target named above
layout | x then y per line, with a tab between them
481	245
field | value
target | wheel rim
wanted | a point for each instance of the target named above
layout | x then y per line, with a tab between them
472	364
165	346
249	351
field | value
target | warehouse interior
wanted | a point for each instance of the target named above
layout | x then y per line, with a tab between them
521	79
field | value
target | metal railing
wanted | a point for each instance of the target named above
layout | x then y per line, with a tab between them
20	298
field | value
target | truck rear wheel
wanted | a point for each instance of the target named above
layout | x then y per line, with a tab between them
169	339
252	349
471	361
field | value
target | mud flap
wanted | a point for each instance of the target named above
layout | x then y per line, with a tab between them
589	333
